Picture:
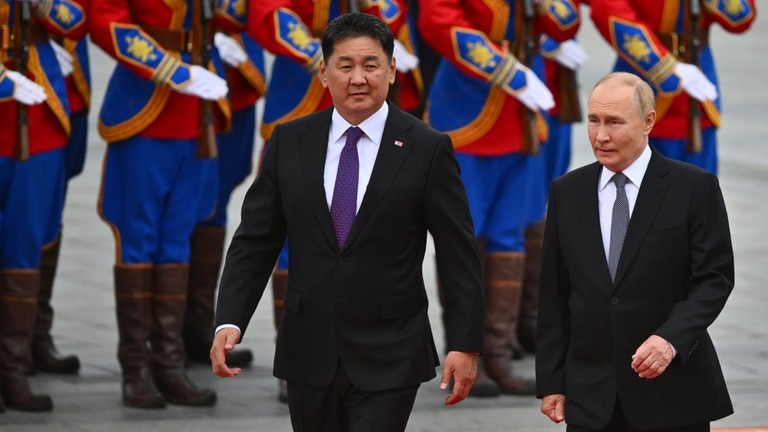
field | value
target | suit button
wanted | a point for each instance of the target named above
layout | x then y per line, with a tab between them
340	260
614	301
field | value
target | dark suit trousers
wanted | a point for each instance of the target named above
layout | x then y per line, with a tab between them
619	423
341	407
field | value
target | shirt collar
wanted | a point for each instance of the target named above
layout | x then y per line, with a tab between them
635	172
373	126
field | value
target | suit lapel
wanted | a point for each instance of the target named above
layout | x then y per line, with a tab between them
589	216
389	159
313	148
649	199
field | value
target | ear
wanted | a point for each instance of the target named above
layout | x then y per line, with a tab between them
322	74
650	121
392	71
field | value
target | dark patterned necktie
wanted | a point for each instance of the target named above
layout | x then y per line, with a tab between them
619	223
344	201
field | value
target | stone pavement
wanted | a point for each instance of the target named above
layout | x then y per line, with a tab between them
85	318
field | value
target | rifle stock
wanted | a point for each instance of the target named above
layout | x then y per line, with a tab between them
206	136
568	87
22	16
526	47
693	47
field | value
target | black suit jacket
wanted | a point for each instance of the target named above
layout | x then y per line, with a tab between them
363	305
674	276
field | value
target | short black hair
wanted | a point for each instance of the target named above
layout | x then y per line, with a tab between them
355	25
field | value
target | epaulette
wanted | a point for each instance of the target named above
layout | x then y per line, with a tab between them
235	11
389	9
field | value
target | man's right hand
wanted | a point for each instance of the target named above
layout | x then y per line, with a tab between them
25	90
553	406
224	342
204	84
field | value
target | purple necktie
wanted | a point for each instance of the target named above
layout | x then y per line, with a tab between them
344	202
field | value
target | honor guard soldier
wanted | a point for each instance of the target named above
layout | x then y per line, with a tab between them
291	30
243	59
489	96
31	174
72	55
162	108
667	44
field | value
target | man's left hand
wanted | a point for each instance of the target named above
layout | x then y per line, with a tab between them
652	358
462	367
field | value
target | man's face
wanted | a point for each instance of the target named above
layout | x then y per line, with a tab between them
617	131
357	75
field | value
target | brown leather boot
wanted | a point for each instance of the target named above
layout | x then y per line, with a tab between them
168	307
45	356
504	277
133	303
484	386
18	310
279	284
529	306
205	262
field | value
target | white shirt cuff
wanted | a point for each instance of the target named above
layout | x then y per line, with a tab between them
223	326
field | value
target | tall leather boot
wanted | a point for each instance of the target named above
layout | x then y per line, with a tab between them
45	356
504	278
205	262
279	284
133	304
484	386
529	305
18	310
168	307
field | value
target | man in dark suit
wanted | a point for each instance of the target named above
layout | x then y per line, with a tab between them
625	347
355	341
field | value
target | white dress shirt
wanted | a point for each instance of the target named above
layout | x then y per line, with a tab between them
367	149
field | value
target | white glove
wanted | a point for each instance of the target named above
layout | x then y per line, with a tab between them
571	55
204	84
535	95
66	62
26	91
229	50
695	83
404	61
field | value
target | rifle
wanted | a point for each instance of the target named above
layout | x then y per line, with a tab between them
693	48
201	55
22	16
525	52
568	86
354	6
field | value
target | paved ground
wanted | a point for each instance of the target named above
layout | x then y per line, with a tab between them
84	302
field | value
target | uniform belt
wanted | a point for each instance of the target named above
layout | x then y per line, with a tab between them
172	40
676	44
36	34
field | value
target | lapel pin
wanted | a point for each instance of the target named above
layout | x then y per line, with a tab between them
399	143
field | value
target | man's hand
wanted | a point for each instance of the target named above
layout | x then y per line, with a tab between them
404	61
695	83
460	366
224	342
63	57
652	358
25	90
571	55
230	51
553	406
204	84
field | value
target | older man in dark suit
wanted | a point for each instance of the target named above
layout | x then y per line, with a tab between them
637	264
355	189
